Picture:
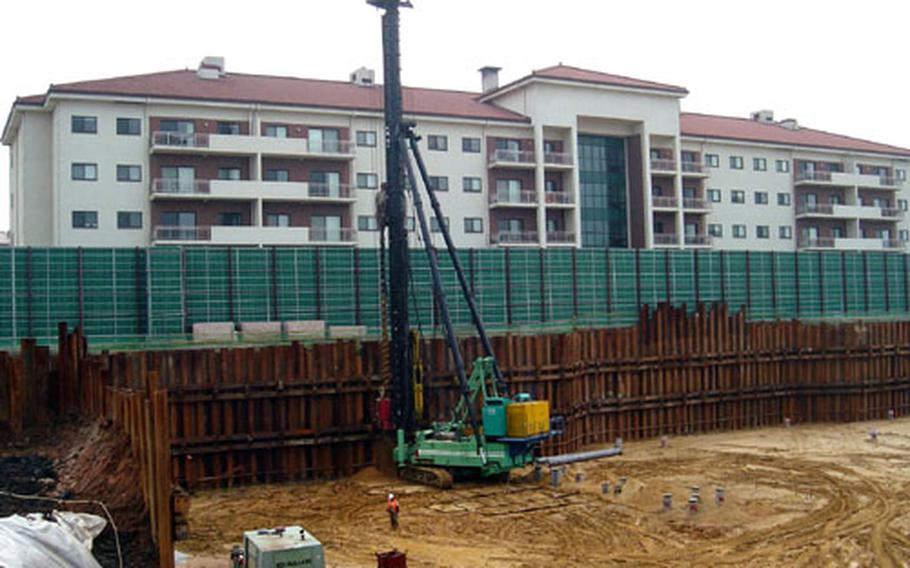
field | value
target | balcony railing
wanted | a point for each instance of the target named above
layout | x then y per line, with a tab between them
892	213
561	237
512	156
816	242
181	139
664	201
330	146
560	197
181	186
893	243
330	191
696	203
666	239
514	237
809	175
815	209
663	165
342	235
179	233
558	158
513	197
694	167
699	240
888	181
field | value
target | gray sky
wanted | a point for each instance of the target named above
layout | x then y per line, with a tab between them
833	65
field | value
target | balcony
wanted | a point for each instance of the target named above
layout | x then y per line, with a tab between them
837	243
514	238
698	240
330	192
663	165
502	158
666	239
514	198
694	169
808	211
559	198
180	188
180	142
253	236
696	204
561	237
664	202
843	179
251	189
558	160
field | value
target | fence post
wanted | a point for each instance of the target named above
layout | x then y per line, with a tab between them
748	284
608	279
183	303
723	278
138	289
28	291
574	283
357	315
80	283
696	277
668	294
843	278
796	281
317	275
230	283
543	287
906	287
638	280
15	291
887	283
508	275
821	283
774	283
865	282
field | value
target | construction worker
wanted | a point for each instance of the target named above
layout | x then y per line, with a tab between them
393	509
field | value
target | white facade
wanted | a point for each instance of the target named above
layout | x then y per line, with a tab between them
673	204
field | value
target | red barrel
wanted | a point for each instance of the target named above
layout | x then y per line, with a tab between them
384	414
393	559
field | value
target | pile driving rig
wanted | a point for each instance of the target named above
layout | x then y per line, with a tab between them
511	429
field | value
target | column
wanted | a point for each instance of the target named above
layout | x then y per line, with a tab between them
678	182
572	146
646	186
539	183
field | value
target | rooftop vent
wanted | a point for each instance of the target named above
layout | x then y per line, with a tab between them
489	78
790	124
211	67
763	116
363	76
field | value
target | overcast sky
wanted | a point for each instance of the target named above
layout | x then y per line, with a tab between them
837	66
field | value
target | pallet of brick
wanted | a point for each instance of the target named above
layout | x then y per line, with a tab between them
259	330
213	331
304	329
347	331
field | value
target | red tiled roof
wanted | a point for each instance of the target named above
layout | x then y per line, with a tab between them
291	91
31	100
712	126
568	73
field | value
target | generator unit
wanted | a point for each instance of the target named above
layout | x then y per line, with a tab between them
288	547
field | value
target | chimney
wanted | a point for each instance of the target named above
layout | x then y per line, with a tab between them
766	116
211	67
489	78
363	76
790	124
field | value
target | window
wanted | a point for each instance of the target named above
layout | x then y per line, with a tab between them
229	173
367	223
438	142
715	230
783	199
902	204
550	186
129	126
471	184
277	175
85	172
761	197
760	164
230	219
434	224
178	179
439	183
366	138
277	220
231	128
325	184
171	125
900	174
782	166
810	199
129	173
324	140
85	219
712	160
714	195
739	231
785	232
470	145
85	124
763	231
178	219
276	131
367	181
737	196
510	144
904	235
838	200
129	219
473	225
736	162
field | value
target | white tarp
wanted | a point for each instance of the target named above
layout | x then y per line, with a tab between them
27	542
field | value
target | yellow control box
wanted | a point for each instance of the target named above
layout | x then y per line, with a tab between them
525	419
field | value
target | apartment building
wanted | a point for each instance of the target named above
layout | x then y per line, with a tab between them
563	157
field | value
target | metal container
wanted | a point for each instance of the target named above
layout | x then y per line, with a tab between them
274	548
391	559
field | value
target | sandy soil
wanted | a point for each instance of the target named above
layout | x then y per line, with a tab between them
800	496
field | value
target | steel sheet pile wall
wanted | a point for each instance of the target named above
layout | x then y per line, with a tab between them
128	294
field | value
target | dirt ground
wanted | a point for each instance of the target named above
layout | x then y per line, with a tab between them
823	495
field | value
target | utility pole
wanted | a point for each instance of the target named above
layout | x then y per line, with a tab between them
399	264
